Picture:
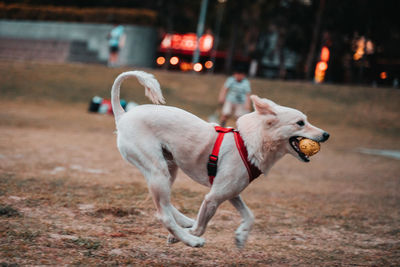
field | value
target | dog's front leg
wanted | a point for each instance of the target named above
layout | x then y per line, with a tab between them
247	223
207	211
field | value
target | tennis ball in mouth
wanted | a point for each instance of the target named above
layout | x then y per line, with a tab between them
309	147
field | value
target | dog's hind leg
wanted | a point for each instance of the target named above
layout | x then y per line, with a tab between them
247	223
159	180
160	190
180	218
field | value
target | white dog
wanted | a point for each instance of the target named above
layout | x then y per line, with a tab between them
158	139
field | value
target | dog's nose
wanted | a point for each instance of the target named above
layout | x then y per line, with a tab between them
325	136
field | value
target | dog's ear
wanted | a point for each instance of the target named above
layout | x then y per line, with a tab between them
262	107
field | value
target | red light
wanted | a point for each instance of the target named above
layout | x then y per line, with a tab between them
206	42
174	60
383	75
209	64
197	67
320	69
160	60
187	42
185	66
325	54
322	66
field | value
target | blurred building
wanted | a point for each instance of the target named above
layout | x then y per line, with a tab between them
74	42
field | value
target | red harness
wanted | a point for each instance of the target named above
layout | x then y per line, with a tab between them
252	170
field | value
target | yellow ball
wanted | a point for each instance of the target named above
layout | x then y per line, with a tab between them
309	147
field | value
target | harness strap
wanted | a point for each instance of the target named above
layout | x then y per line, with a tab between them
252	170
213	158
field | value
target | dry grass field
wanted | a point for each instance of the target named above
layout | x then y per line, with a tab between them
68	198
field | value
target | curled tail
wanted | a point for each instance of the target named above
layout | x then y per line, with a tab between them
152	90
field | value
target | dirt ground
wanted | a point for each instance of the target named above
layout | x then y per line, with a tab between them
67	197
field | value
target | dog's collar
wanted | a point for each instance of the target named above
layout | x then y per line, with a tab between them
252	170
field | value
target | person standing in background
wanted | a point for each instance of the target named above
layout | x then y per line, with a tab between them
235	96
116	41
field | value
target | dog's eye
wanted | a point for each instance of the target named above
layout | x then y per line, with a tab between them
300	123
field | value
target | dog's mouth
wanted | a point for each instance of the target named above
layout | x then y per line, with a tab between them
294	143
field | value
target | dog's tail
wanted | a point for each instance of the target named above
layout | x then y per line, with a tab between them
151	85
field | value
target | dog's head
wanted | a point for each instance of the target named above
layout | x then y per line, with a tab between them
285	126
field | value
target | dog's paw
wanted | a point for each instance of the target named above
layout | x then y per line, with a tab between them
189	240
239	243
196	242
172	239
240	239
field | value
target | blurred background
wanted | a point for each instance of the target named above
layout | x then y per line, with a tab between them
353	42
68	198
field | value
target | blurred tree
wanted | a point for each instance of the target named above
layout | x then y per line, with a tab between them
314	41
301	26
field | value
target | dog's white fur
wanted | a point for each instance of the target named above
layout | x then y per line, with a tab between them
160	139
